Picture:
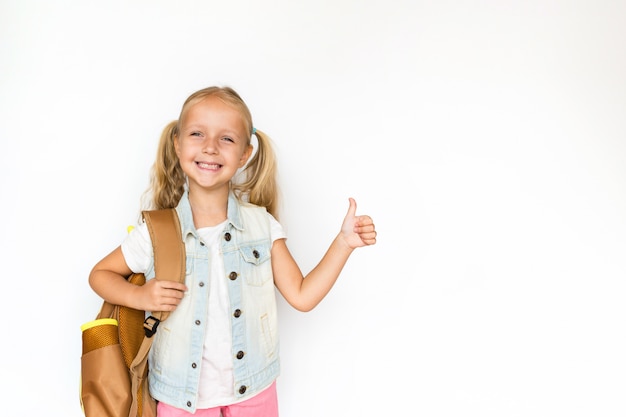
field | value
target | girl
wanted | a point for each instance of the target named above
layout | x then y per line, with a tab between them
217	353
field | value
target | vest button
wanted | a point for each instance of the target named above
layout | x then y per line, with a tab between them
193	365
232	276
197	322
237	313
256	253
242	389
188	403
227	237
240	355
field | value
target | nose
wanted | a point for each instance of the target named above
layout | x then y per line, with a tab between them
209	146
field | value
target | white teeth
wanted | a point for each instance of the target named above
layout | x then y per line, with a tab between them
208	166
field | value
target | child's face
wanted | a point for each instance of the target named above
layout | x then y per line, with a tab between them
212	143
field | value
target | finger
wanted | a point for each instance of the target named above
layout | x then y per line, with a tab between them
367	233
363	231
369	242
167	307
352	207
173	285
368	238
365	221
178	295
169	302
367	224
173	301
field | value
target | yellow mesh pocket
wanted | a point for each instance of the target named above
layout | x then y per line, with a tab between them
131	332
99	333
131	325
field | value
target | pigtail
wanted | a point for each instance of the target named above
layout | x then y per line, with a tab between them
259	184
167	182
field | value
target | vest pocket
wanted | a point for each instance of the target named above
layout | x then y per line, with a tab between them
257	268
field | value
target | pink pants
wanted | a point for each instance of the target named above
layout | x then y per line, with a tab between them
264	404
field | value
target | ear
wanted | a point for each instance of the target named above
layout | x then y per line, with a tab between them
245	156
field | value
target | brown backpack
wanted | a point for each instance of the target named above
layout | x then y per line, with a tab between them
114	363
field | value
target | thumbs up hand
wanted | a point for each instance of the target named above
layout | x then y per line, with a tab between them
357	231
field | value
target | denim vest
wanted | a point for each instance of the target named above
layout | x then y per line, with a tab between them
176	354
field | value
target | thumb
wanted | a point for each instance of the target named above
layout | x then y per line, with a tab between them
352	208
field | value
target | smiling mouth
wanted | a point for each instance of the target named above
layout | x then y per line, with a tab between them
205	165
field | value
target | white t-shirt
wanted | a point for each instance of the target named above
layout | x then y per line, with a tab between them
216	373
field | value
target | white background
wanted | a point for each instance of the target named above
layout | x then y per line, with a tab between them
487	139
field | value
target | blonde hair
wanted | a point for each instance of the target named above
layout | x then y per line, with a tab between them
257	184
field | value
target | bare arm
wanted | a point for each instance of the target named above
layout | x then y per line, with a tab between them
107	279
304	293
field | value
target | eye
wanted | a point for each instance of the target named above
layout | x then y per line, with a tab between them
196	135
228	139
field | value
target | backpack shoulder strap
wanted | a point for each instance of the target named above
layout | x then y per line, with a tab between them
168	246
169	264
